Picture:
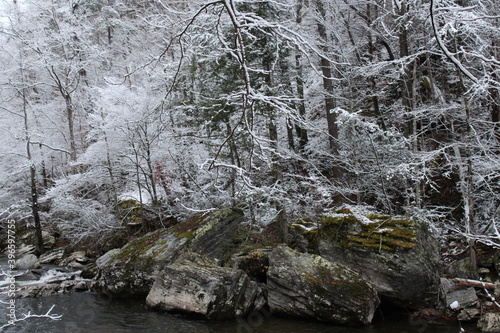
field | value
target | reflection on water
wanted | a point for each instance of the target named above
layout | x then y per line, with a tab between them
88	313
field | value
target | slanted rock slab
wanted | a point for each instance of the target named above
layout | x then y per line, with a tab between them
464	297
196	285
131	270
53	257
311	287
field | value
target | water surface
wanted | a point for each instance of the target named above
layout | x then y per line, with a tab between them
89	313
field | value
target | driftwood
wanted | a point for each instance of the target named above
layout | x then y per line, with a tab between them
473	283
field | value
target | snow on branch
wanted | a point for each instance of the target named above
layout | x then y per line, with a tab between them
28	315
445	50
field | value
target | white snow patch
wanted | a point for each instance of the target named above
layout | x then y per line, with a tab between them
313	227
455	305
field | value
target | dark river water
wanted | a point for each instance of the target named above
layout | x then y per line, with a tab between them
89	312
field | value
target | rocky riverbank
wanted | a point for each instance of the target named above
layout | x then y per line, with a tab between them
33	279
340	269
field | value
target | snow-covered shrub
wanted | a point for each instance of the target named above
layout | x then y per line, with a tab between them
82	219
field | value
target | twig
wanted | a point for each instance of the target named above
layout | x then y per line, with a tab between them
28	315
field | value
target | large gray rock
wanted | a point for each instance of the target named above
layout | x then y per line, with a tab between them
131	270
27	261
54	288
196	285
399	257
76	260
464	297
311	287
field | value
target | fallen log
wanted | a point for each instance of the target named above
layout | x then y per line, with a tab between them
473	283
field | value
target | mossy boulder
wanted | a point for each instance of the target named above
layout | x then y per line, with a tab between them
131	212
28	261
196	285
311	287
399	257
131	270
211	234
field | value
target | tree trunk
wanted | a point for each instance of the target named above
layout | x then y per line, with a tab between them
469	195
301	132
418	186
326	69
45	178
406	84
71	126
271	120
34	209
111	175
233	156
289	132
33	182
151	174
137	168
69	111
495	110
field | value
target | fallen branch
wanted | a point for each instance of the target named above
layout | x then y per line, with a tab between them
29	315
473	283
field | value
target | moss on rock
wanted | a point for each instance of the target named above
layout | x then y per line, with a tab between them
131	212
131	270
398	256
346	230
309	286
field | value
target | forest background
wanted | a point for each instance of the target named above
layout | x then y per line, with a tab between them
286	108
